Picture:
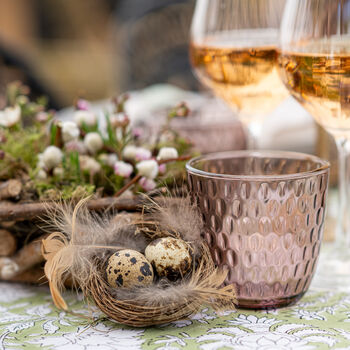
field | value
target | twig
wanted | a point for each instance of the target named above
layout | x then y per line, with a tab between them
17	212
128	185
179	159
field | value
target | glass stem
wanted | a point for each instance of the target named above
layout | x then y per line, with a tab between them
343	227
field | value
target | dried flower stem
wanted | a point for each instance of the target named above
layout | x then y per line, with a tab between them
178	159
128	185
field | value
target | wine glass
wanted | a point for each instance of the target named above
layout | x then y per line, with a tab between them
233	52
315	67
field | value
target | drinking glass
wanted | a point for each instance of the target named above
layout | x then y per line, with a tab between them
264	217
233	52
315	67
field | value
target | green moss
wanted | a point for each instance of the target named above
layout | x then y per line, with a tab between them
21	149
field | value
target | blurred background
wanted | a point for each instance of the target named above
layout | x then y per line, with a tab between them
94	48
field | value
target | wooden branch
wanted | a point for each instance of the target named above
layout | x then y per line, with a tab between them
29	256
8	244
10	189
16	212
35	275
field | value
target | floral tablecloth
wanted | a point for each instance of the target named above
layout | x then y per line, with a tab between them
28	320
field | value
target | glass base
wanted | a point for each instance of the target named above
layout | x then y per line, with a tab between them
269	303
333	271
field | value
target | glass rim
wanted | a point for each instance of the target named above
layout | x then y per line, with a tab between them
323	166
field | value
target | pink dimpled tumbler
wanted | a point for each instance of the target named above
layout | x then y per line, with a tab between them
264	217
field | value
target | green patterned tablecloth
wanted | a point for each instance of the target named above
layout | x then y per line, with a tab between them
28	320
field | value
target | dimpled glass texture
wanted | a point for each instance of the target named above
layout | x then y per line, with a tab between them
264	216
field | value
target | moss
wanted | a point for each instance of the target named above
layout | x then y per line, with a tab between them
21	149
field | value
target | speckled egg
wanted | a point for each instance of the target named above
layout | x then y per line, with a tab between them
170	257
128	268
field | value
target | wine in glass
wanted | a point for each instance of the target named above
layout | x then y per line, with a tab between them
234	53
315	67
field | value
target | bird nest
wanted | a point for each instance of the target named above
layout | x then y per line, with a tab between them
76	252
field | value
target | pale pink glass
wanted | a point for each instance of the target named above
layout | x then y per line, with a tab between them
264	217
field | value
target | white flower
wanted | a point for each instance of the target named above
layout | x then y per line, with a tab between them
103	158
148	168
51	157
58	171
89	164
112	159
147	184
84	117
76	146
42	117
167	153
108	159
123	169
10	116
41	175
70	131
93	142
40	163
119	119
142	154
129	152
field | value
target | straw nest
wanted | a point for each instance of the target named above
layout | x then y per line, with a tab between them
85	241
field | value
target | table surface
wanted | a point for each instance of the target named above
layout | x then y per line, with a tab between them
28	320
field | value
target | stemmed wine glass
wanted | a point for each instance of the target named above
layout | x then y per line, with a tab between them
233	51
315	67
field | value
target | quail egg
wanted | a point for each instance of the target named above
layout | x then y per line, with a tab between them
128	268
169	256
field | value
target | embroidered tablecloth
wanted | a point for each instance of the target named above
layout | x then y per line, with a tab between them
28	320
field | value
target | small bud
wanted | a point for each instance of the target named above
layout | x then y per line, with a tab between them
51	157
148	168
119	120
70	131
143	154
147	184
10	116
41	175
123	169
162	169
76	146
42	117
89	164
129	152
22	99
83	105
93	142
85	117
108	159
166	153
58	171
